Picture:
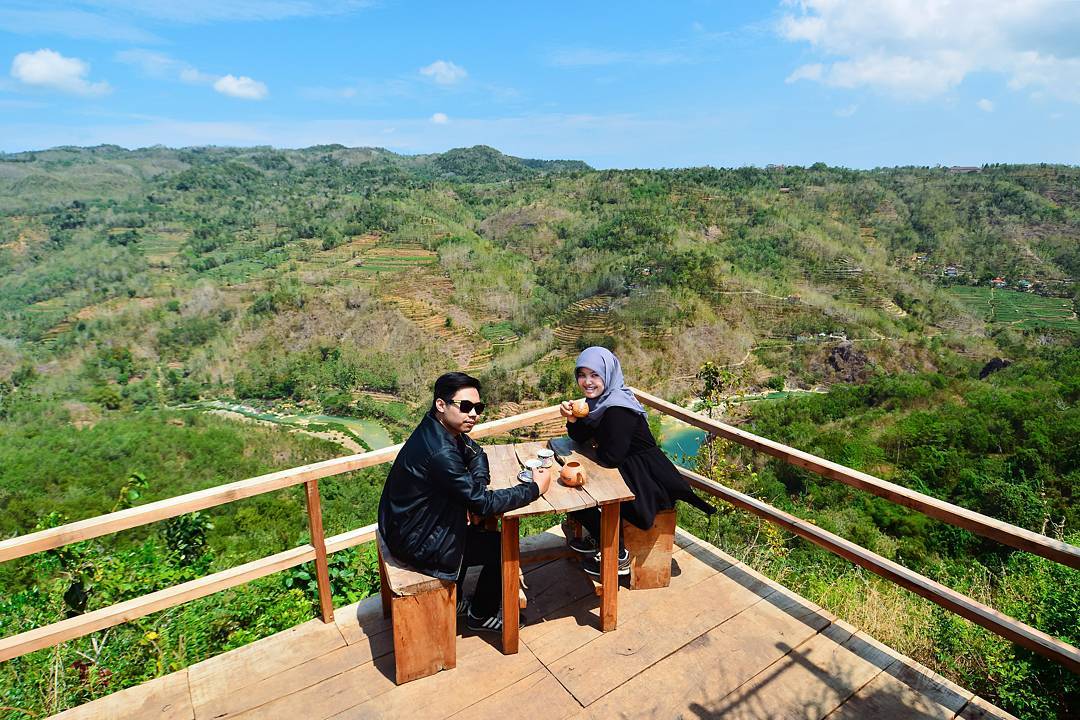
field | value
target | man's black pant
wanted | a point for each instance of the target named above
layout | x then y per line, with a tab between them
589	519
482	547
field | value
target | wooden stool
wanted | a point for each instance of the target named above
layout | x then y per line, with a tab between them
424	612
650	551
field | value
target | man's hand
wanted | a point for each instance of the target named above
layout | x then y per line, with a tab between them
567	411
542	477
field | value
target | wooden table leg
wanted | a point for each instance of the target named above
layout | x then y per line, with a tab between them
609	565
511	564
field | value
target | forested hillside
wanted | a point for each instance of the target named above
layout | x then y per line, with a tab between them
167	317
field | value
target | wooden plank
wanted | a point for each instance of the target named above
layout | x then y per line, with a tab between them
231	672
49	635
604	484
164	698
218	495
254	695
996	622
352	538
730	654
362	621
552	587
923	681
181	504
544	547
650	551
961	517
558	497
886	698
809	682
609	566
481	672
424	630
979	709
318	541
404	579
332	695
538	696
504	471
511	566
600	666
579	622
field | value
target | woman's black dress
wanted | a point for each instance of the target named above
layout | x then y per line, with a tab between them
623	441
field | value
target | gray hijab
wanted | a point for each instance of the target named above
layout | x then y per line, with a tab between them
604	363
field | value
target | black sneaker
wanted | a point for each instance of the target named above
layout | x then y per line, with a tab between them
493	624
463	606
584	545
592	564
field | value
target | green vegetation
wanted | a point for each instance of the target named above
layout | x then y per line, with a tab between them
140	290
1022	310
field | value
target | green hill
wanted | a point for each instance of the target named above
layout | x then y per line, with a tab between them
322	289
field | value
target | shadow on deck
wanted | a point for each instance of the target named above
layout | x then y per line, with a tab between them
721	641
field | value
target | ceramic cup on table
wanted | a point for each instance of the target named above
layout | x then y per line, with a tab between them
531	466
546	457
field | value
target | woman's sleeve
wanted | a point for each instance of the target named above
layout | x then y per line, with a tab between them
580	431
614	434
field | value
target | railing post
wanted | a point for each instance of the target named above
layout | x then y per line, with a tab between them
322	570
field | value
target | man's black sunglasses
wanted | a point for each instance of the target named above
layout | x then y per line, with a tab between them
467	406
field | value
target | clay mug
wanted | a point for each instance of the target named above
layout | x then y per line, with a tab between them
580	408
573	475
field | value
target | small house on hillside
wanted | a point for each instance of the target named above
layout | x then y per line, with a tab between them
998	282
951	271
1025	285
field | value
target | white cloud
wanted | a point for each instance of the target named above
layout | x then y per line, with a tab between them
805	72
920	49
440	118
241	87
160	65
846	111
985	105
444	72
49	69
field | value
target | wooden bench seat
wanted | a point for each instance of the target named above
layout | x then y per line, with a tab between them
650	551
423	611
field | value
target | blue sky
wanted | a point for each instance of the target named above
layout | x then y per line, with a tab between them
633	84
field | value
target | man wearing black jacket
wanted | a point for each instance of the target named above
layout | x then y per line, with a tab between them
437	482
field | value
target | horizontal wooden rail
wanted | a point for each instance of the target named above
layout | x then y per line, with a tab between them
984	525
352	538
221	494
992	620
49	635
75	627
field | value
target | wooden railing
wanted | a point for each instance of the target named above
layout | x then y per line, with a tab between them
962	605
321	547
49	635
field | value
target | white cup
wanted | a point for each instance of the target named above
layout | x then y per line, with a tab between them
531	466
546	457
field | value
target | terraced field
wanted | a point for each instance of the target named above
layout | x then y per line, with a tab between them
1025	311
590	316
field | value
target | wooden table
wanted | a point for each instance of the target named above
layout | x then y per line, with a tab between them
604	488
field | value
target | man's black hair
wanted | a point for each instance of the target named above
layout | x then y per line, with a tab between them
449	383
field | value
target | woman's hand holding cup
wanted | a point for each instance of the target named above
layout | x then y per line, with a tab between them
566	409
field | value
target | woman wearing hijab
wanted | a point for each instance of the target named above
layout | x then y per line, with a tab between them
618	425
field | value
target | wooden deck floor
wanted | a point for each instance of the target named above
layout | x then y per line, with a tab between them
721	641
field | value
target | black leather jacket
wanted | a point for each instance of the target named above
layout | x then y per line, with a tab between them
434	480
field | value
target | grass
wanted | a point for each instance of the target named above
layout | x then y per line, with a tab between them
1026	311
